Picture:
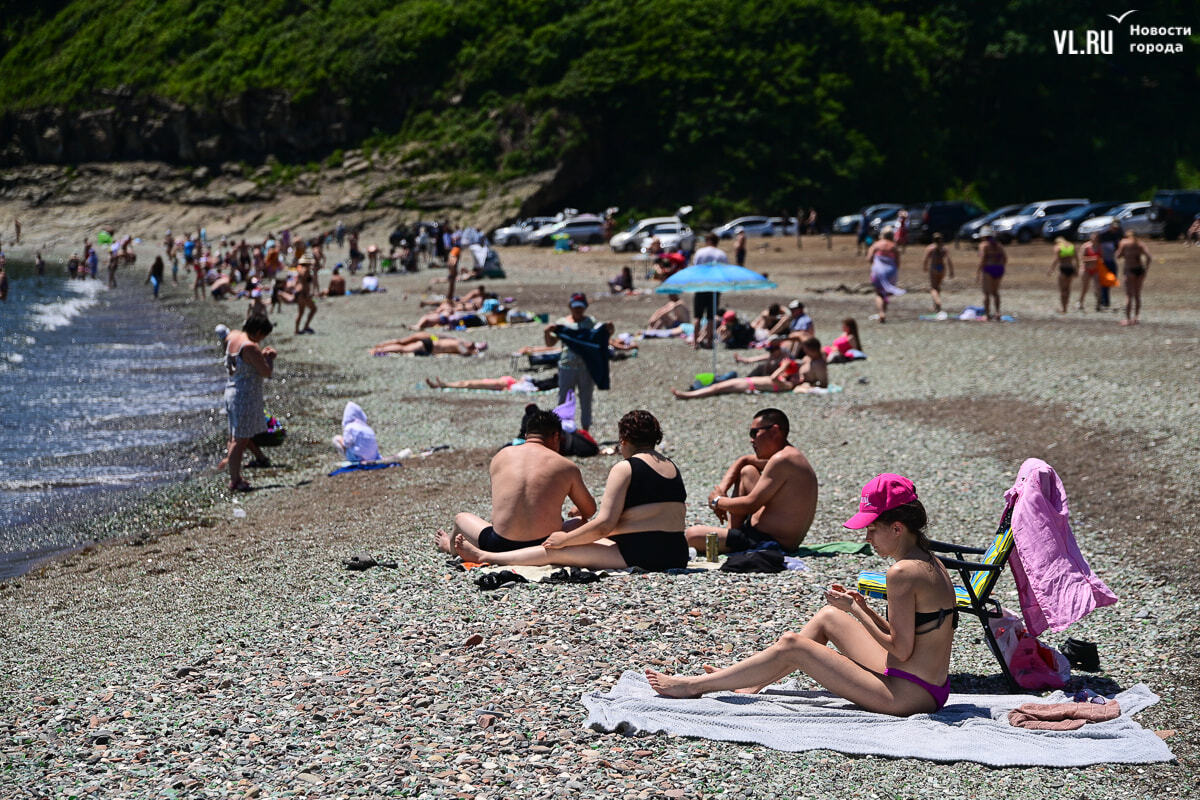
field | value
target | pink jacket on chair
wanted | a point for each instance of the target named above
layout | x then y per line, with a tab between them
1055	584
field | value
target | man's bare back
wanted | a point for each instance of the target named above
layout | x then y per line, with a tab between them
791	500
529	484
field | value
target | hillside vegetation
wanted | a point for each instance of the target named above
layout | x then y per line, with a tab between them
729	104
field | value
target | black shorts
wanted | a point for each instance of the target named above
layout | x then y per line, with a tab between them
427	350
653	551
1136	272
493	542
1067	272
744	538
702	305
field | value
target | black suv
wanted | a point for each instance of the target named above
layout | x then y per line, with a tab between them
1175	209
926	219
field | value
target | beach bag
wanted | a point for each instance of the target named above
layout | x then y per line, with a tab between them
273	436
1032	664
1105	276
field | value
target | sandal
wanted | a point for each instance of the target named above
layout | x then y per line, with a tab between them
260	462
240	486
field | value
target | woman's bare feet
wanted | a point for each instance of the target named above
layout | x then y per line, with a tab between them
443	541
435	383
670	685
468	551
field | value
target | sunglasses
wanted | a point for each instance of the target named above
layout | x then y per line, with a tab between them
755	431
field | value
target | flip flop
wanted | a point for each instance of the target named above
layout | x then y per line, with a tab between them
240	486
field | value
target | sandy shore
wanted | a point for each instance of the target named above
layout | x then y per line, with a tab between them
235	657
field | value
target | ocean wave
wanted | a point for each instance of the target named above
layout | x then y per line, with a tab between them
51	316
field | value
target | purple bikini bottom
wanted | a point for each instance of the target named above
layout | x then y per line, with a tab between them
939	693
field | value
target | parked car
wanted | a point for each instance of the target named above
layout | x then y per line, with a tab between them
1175	209
781	228
881	220
1027	223
848	223
944	217
753	225
519	231
583	229
969	232
671	235
631	239
1067	225
1130	216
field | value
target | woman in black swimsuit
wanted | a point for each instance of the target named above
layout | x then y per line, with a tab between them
640	520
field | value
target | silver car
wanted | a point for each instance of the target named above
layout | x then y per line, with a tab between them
1130	216
582	229
519	231
753	226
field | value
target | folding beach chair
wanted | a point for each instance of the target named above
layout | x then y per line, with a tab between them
978	579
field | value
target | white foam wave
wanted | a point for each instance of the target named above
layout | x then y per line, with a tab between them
50	316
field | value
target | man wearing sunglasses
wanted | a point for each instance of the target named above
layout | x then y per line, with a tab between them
768	496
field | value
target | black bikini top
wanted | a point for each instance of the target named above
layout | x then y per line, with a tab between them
647	486
925	617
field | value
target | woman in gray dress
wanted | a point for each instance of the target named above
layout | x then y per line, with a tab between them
247	364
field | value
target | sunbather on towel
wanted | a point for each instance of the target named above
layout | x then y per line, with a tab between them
783	379
640	521
505	383
529	483
768	496
896	665
427	344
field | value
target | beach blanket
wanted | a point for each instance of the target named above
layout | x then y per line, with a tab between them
355	466
972	727
969	314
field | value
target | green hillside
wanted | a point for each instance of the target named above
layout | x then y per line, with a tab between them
727	104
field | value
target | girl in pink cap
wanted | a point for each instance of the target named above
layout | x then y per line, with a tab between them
897	664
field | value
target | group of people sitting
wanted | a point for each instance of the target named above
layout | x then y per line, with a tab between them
769	495
898	664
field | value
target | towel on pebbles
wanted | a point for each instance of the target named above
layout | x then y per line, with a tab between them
972	727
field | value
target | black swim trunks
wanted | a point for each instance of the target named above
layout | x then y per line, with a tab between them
493	542
427	344
653	551
746	537
1067	271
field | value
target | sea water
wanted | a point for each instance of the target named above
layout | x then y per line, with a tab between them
99	391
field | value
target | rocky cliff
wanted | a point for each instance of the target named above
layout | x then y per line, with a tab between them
128	126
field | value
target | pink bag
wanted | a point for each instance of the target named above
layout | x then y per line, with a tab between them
1033	664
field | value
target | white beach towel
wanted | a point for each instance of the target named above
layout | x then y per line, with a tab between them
972	727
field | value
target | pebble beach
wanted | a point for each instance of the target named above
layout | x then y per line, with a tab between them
215	646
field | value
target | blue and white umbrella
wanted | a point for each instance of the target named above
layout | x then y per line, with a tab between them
716	277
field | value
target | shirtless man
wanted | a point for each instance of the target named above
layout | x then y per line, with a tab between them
670	315
426	344
1136	260
774	492
529	483
813	370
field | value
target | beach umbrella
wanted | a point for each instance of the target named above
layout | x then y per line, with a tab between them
716	277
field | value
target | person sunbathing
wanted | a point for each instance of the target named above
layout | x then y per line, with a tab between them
505	383
785	378
768	496
814	374
640	521
842	346
896	664
671	315
427	344
529	484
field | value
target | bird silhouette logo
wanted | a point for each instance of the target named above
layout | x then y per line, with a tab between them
1121	18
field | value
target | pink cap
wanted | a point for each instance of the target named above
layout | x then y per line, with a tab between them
729	316
882	493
